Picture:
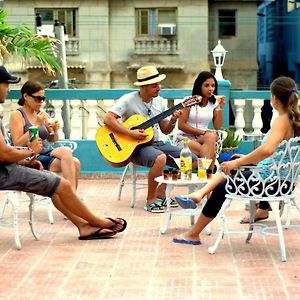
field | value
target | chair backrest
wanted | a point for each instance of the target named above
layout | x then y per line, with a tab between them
222	134
277	180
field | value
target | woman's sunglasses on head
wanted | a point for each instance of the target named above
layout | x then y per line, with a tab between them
38	99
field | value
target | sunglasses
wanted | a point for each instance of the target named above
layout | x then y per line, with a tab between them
38	99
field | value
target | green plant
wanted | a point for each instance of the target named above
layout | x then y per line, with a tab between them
231	141
22	41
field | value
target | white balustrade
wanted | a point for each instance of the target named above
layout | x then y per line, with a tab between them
154	44
58	104
76	122
86	115
92	123
239	122
257	123
274	115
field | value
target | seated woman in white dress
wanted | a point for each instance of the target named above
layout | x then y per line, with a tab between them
194	120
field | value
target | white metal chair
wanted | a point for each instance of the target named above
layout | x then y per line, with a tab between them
14	198
133	176
42	200
142	184
274	189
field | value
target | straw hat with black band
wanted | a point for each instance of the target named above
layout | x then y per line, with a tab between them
148	75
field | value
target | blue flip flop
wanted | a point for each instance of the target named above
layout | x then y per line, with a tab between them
182	240
185	202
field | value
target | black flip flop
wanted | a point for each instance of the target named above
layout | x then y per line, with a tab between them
116	223
255	220
97	235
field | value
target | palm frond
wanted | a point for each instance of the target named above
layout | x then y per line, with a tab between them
22	41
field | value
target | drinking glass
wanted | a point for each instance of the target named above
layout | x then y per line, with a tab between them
201	169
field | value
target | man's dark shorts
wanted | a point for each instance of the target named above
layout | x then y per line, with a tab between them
16	177
147	155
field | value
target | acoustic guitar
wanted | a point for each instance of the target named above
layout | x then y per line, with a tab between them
117	148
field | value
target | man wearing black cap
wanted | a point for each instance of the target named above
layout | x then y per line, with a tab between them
16	177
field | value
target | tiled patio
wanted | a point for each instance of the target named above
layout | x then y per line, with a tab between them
140	263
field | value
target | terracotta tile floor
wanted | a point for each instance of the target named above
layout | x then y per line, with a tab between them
140	263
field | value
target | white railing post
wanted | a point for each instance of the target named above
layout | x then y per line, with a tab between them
76	123
92	123
58	116
239	122
257	123
274	115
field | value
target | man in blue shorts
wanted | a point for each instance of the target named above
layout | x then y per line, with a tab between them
15	176
148	103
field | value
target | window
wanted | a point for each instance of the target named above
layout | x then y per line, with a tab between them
148	20
227	23
64	16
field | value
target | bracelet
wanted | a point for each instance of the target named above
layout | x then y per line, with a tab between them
32	155
219	109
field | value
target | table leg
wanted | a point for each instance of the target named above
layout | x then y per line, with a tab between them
166	224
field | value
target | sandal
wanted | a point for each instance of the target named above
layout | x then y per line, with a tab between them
246	220
163	202
154	208
116	223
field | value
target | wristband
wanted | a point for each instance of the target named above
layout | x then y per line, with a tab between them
32	155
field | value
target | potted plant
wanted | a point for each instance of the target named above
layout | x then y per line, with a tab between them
231	143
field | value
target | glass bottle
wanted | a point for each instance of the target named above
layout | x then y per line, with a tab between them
186	161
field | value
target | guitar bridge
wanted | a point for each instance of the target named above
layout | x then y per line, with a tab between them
111	135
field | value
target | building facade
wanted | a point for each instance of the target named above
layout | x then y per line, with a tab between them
278	40
108	40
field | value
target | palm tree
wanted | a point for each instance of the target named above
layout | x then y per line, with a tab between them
21	40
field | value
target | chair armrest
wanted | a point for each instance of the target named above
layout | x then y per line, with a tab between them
65	143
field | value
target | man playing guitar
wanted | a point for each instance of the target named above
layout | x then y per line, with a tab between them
148	103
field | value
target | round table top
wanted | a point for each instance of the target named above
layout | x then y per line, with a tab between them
194	180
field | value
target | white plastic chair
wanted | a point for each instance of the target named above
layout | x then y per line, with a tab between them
274	189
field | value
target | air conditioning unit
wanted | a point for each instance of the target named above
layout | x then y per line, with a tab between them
167	29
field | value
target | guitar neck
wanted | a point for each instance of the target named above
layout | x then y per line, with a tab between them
159	117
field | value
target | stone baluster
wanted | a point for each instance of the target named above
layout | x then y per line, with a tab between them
239	122
174	46
84	116
92	123
58	104
143	46
168	46
76	123
274	115
257	123
7	110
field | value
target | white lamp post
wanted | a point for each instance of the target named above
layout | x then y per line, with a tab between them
219	56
